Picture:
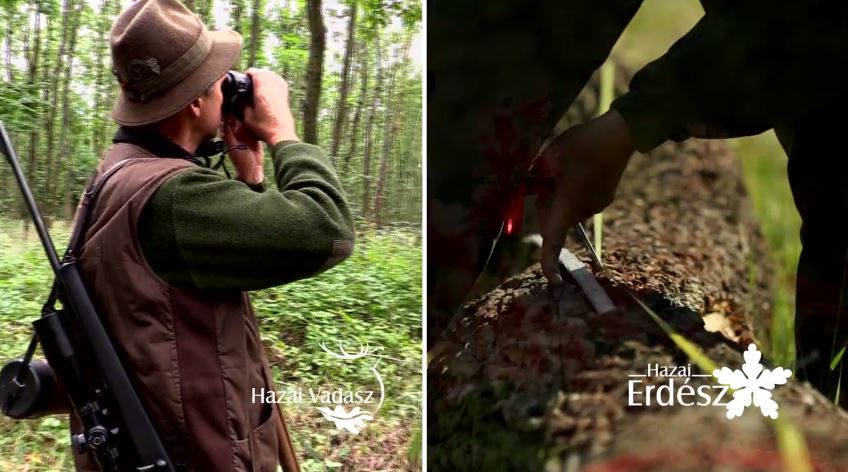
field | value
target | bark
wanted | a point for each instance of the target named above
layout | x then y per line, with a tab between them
360	104
341	107
314	67
255	39
369	132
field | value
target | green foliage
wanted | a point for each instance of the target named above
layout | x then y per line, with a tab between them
373	298
65	151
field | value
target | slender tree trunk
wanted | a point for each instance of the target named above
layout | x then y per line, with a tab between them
390	126
11	21
369	131
65	151
7	38
32	64
255	33
101	87
32	46
317	43
341	107
49	184
360	104
236	13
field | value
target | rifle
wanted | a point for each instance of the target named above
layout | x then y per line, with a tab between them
81	356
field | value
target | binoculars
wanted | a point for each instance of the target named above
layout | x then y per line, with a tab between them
238	93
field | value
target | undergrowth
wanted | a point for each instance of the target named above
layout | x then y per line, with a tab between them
371	300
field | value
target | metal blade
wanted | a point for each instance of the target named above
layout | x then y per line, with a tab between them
584	238
588	283
584	277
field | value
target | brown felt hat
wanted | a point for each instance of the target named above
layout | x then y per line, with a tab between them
164	57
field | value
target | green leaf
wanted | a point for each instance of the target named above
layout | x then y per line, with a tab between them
838	357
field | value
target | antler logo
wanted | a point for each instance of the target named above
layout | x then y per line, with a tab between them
354	420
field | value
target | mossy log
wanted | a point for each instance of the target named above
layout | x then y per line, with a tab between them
515	387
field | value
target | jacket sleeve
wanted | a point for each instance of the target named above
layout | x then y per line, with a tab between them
744	68
203	230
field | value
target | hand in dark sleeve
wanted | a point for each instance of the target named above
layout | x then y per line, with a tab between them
744	68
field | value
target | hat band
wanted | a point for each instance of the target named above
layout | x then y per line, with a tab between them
176	72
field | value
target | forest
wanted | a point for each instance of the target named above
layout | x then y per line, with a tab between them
355	89
354	69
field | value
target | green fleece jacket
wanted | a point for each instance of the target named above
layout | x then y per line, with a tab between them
203	230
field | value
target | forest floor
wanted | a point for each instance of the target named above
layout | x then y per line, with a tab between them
372	299
517	387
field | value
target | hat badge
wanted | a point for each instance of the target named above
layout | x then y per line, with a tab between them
139	70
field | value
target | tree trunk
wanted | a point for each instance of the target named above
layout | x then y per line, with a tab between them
410	144
255	38
65	149
341	107
49	184
10	70
360	104
314	67
236	12
33	58
369	131
101	86
389	133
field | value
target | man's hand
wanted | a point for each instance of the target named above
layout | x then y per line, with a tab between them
248	162
586	161
270	117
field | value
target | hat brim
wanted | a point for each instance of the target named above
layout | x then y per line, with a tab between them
225	51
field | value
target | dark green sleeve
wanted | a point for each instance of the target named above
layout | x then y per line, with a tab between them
744	68
200	229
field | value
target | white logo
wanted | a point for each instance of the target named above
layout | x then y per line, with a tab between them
343	419
752	384
334	400
353	420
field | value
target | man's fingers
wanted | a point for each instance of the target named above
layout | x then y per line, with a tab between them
553	237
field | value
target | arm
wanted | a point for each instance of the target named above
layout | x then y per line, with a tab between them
202	230
744	68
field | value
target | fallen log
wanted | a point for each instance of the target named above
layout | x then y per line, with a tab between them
514	387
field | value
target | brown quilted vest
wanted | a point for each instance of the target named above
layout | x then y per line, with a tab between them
193	356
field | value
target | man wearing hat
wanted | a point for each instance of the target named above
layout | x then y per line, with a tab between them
172	247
